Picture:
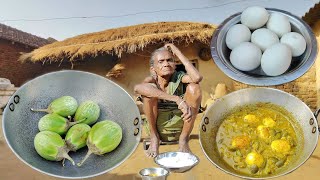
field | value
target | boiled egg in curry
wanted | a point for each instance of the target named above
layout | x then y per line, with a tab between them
251	119
269	122
240	142
280	146
263	132
254	158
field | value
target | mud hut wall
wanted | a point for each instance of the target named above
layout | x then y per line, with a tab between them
10	68
98	65
19	73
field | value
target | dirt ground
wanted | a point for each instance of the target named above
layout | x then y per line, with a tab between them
12	168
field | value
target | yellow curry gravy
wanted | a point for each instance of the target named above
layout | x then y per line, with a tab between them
258	139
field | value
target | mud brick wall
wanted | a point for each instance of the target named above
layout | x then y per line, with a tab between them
11	68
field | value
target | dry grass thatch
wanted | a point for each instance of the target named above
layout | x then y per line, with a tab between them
121	40
312	15
116	71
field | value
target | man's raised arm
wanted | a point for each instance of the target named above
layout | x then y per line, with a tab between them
193	75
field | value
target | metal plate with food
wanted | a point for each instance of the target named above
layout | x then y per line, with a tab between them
278	48
98	102
177	161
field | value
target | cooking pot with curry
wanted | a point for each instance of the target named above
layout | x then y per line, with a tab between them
258	133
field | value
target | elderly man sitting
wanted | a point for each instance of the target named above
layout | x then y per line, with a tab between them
171	99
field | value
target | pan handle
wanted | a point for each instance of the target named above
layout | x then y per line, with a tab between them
16	100
135	123
316	114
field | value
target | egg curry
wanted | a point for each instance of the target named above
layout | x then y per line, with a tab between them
257	139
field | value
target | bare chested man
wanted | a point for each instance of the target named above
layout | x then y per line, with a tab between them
171	99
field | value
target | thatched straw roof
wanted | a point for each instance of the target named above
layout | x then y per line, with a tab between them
312	15
121	40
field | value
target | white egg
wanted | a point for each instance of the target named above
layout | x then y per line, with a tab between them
254	17
246	56
264	38
276	59
237	34
296	42
279	24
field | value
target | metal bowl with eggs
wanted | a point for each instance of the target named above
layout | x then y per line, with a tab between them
298	66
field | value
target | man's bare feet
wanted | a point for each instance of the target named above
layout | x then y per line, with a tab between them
153	149
184	146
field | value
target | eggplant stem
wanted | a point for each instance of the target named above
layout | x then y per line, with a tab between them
85	158
66	155
76	122
63	162
41	110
